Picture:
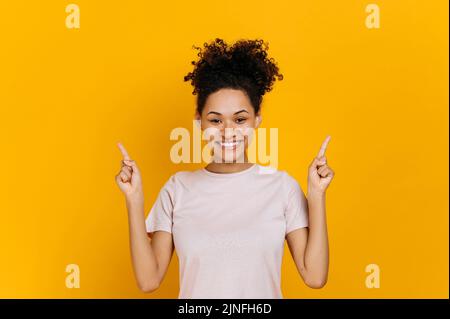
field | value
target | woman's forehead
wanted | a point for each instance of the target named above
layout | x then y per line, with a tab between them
228	102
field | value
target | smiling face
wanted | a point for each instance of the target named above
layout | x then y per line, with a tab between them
229	118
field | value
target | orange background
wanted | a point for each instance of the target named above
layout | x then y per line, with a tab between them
68	96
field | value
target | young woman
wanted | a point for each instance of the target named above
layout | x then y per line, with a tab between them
228	221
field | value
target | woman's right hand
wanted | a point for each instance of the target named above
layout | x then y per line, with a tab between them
129	177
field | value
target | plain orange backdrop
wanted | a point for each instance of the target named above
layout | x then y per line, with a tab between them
67	96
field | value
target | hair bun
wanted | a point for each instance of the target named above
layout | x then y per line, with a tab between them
245	64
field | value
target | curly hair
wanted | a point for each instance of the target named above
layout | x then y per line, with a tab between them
243	65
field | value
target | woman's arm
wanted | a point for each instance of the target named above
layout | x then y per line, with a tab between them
309	245
145	264
150	256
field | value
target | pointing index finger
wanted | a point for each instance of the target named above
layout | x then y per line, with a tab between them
323	148
124	152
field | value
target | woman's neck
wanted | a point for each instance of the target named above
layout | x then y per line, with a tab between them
227	167
233	167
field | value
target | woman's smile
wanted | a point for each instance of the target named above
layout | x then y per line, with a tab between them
232	145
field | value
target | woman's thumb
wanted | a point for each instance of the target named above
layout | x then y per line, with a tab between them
316	162
133	164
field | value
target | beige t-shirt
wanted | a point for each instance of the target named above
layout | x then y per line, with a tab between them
229	229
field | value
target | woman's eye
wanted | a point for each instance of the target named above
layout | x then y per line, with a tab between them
241	120
214	121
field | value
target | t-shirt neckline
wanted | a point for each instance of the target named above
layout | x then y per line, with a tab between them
227	175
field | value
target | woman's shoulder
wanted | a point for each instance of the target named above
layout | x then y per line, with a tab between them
279	176
275	173
182	177
288	180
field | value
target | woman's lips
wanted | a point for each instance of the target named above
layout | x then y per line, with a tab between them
229	145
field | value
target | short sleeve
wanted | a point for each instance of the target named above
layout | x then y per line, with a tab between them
161	213
296	212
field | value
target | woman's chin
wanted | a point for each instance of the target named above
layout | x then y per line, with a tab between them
230	158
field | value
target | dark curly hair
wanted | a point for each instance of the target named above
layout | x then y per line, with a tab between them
243	65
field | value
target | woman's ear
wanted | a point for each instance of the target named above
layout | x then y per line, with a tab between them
258	119
198	120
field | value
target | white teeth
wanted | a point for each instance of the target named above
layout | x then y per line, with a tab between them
229	144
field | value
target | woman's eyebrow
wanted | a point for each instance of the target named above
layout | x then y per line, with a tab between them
213	112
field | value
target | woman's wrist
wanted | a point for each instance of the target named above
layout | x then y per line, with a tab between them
315	194
135	200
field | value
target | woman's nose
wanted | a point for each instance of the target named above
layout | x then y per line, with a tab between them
231	132
228	132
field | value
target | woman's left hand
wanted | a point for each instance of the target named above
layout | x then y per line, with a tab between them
320	174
